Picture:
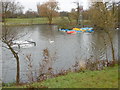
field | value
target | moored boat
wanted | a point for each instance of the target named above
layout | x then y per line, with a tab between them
77	30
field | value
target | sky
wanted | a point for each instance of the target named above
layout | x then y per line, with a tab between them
65	5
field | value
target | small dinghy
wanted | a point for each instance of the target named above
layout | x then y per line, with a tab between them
71	32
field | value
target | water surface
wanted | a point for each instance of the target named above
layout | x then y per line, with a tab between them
66	48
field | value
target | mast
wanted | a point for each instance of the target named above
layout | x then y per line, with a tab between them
80	16
79	12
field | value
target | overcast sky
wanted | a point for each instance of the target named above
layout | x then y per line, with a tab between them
65	5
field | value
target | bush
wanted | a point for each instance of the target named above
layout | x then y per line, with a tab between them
63	22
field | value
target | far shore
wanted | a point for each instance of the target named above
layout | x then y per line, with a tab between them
33	21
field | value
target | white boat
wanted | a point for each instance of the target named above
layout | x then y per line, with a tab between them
23	44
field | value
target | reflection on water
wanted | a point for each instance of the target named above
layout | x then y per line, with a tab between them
67	48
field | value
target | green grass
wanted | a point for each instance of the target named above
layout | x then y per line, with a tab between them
29	21
107	78
41	20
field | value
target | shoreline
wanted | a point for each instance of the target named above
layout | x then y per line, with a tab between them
87	73
26	24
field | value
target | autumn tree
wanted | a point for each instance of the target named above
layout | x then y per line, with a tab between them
48	9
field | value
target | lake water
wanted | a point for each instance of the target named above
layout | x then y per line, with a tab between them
65	48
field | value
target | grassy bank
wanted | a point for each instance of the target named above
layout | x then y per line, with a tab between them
41	20
107	78
29	21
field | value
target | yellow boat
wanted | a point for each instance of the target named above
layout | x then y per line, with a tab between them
83	30
77	29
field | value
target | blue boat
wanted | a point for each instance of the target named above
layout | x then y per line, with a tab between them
86	29
78	31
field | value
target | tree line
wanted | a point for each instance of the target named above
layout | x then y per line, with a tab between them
50	9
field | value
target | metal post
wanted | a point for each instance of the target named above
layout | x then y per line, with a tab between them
79	11
80	17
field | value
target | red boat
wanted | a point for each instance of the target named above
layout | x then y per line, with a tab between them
71	32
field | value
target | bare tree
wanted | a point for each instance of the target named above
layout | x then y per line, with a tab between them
8	38
76	13
104	18
73	15
31	14
9	8
48	9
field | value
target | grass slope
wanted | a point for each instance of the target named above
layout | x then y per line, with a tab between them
40	20
27	20
24	21
107	78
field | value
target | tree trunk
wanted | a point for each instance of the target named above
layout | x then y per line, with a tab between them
69	19
112	47
50	17
17	61
18	70
50	21
3	19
